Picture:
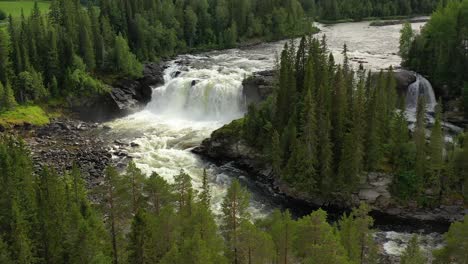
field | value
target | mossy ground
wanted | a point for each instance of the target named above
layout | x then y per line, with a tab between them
20	115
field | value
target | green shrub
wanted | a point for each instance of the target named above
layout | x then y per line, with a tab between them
3	15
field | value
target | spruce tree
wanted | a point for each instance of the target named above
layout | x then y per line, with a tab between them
5	63
9	100
436	149
420	141
205	195
276	154
137	238
184	192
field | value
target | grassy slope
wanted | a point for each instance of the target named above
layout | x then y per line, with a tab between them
31	114
14	7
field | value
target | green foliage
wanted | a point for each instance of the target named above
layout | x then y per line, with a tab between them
326	123
339	10
48	218
413	254
456	249
440	50
465	99
356	235
316	241
45	218
406	39
3	15
125	62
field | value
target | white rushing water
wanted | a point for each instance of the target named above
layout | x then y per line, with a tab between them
203	92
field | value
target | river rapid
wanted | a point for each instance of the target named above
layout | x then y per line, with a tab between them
203	92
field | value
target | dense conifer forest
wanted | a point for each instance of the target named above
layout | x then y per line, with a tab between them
441	50
68	51
327	126
323	130
136	218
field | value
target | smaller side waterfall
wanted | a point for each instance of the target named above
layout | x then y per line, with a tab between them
421	87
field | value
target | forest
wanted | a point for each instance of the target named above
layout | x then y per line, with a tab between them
70	50
327	126
132	218
441	50
324	129
111	39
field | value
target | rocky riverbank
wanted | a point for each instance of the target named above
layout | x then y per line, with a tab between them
375	190
65	142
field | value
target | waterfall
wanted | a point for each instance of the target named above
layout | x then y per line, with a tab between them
212	93
421	87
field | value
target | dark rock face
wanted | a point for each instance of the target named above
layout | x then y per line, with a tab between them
259	86
375	191
125	97
404	78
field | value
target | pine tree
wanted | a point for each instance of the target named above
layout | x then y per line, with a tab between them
116	206
135	178
255	246
282	230
158	193
356	235
413	254
316	241
234	208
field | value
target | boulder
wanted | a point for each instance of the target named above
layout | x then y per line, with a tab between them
258	87
404	78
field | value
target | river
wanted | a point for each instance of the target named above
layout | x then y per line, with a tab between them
203	92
